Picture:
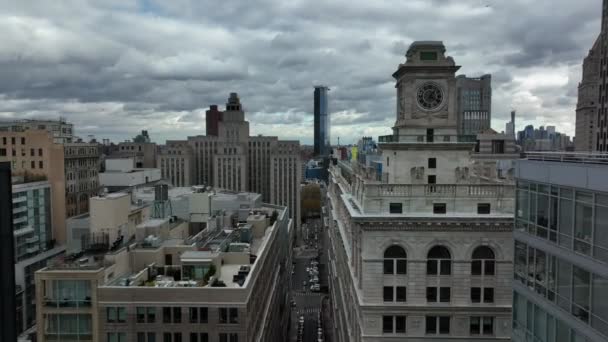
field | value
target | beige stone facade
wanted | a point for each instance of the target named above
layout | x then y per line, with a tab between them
425	253
176	163
34	155
144	154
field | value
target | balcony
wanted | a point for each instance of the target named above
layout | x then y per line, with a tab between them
430	139
67	303
21	219
439	190
20	209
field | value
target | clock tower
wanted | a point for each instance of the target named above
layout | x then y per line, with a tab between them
426	92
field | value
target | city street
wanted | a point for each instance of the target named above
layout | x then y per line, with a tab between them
308	302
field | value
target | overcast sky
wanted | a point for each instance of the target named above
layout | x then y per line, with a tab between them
114	67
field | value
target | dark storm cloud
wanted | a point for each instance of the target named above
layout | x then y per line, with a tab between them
118	66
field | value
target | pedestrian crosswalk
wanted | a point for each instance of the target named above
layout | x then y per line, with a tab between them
306	294
308	311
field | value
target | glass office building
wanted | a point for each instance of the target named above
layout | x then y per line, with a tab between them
322	125
561	248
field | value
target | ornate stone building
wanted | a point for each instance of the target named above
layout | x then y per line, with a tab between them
81	175
228	158
586	107
426	253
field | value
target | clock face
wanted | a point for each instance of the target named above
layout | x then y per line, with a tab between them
429	96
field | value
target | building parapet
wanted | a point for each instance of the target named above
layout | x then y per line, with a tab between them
569	157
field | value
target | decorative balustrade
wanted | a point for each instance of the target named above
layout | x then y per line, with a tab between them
438	190
423	138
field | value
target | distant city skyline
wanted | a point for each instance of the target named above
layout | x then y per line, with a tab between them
112	81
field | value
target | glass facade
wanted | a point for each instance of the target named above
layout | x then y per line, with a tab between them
322	145
573	221
31	219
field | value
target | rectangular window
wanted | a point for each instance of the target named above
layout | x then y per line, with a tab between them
39	152
177	315
428	55
387	324
396	208
389	266
439	208
483	208
488	326
234	315
151	313
167	337
141	314
141	337
431	294
401	294
2	152
13	142
193	337
203	315
444	294
111	315
166	315
432	179
32	152
193	315
400	324
33	164
3	140
476	294
432	163
444	324
22	141
117	337
223	315
498	146
40	165
488	295
388	294
177	337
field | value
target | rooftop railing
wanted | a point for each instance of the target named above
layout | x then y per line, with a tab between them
569	157
423	138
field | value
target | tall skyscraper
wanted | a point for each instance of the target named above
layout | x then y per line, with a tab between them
510	126
601	122
474	104
322	123
561	248
426	254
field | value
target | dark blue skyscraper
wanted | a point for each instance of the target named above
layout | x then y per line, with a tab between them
322	141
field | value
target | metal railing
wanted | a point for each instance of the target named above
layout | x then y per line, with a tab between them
569	157
423	138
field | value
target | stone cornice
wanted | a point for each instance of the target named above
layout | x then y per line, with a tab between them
448	146
432	224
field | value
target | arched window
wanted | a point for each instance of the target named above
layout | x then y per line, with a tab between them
395	258
483	261
439	261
